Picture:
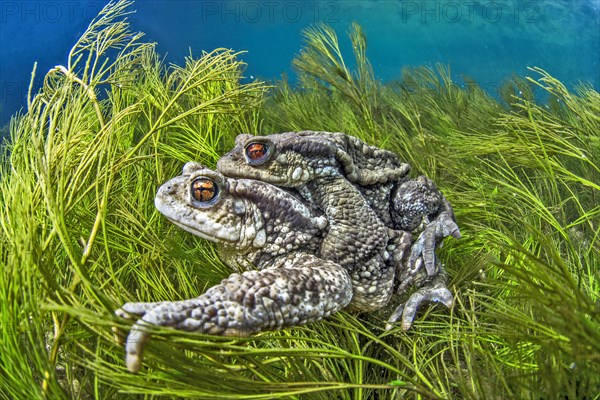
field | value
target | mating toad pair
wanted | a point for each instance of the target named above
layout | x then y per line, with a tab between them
319	222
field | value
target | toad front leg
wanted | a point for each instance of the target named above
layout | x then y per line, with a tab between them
136	309
131	311
243	304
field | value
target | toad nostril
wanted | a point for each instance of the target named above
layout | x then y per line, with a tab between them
166	189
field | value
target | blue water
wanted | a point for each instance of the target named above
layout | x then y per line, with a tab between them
485	40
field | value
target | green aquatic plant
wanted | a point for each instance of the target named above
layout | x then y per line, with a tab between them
80	236
321	60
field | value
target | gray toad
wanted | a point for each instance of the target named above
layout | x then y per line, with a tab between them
317	164
317	168
259	225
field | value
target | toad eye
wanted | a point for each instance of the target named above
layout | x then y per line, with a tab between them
204	190
257	153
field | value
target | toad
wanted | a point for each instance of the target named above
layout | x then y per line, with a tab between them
258	225
327	168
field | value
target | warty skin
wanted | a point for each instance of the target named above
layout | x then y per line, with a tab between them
330	168
256	225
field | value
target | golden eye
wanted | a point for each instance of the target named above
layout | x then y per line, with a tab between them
204	190
256	153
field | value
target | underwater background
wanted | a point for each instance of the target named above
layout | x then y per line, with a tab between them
487	41
114	113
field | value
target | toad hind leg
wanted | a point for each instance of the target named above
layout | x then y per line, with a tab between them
243	304
433	291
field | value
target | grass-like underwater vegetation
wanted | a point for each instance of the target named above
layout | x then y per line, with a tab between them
80	235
